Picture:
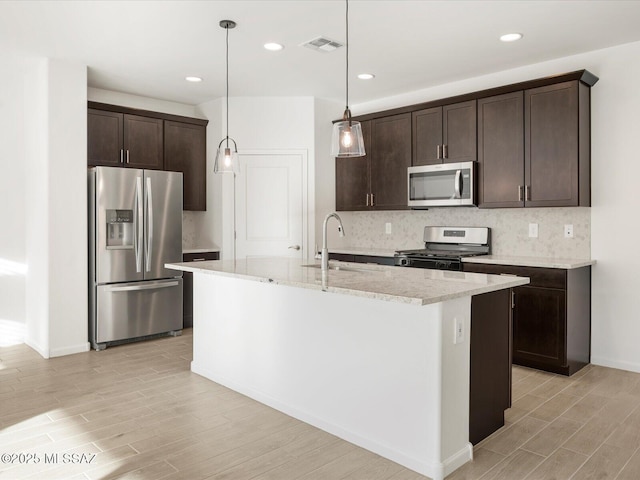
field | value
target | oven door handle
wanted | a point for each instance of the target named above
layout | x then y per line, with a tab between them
458	184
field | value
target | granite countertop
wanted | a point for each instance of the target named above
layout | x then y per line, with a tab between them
566	263
394	284
200	250
521	261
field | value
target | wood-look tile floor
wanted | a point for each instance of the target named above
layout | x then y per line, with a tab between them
136	412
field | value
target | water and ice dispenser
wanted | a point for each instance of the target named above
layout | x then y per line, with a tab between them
120	229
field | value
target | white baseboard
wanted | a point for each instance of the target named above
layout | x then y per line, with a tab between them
458	459
619	364
70	350
44	352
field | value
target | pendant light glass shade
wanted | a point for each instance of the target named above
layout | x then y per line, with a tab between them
226	157
347	140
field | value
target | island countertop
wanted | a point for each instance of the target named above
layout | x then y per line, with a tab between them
393	284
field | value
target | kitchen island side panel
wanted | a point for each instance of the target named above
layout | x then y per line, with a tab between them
382	375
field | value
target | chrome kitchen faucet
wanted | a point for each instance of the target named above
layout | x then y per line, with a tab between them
325	252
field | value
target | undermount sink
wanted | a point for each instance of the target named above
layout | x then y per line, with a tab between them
338	267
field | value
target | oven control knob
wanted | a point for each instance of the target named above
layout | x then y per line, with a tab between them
404	262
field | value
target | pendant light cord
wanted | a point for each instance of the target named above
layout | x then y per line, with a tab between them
347	70
227	64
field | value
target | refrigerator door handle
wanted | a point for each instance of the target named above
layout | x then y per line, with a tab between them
149	222
137	237
143	287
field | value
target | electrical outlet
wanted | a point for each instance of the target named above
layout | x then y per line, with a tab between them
458	334
533	230
387	228
568	231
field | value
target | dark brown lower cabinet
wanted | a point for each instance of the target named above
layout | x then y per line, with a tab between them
187	284
551	316
490	364
346	257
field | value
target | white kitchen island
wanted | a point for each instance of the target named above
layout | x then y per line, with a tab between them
368	353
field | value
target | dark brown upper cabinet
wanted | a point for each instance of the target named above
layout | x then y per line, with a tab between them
531	140
377	181
390	158
117	139
445	134
501	151
353	177
557	145
185	148
534	147
105	138
143	141
126	137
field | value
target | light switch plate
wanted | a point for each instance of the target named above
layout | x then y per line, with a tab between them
533	230
387	228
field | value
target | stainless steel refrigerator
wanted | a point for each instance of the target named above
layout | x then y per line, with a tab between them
135	227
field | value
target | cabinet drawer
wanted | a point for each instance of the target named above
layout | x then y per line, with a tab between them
342	257
539	277
199	257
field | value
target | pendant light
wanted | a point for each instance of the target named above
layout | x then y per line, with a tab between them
227	157
347	138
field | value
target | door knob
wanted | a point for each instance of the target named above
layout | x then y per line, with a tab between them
294	247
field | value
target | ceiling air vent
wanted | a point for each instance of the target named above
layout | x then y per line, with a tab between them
322	44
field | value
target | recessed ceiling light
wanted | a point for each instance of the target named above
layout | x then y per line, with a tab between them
193	79
366	76
510	37
274	47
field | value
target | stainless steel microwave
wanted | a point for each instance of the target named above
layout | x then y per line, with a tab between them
442	185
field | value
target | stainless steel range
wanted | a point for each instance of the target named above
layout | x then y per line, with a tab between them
444	248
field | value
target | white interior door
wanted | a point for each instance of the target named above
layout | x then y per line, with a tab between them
270	206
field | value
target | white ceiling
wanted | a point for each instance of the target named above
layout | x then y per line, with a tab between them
148	47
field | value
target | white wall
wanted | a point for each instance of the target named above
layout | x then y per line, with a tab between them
35	205
143	103
12	196
67	202
325	112
55	206
615	203
255	123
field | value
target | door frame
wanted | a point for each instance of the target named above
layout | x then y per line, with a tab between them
230	214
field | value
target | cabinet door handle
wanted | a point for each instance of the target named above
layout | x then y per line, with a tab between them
127	156
294	247
372	202
367	199
438	149
121	156
519	193
513	299
445	151
527	193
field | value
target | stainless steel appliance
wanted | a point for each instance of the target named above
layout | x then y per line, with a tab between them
135	227
442	185
444	248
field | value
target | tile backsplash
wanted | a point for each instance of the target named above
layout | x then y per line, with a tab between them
509	229
190	230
